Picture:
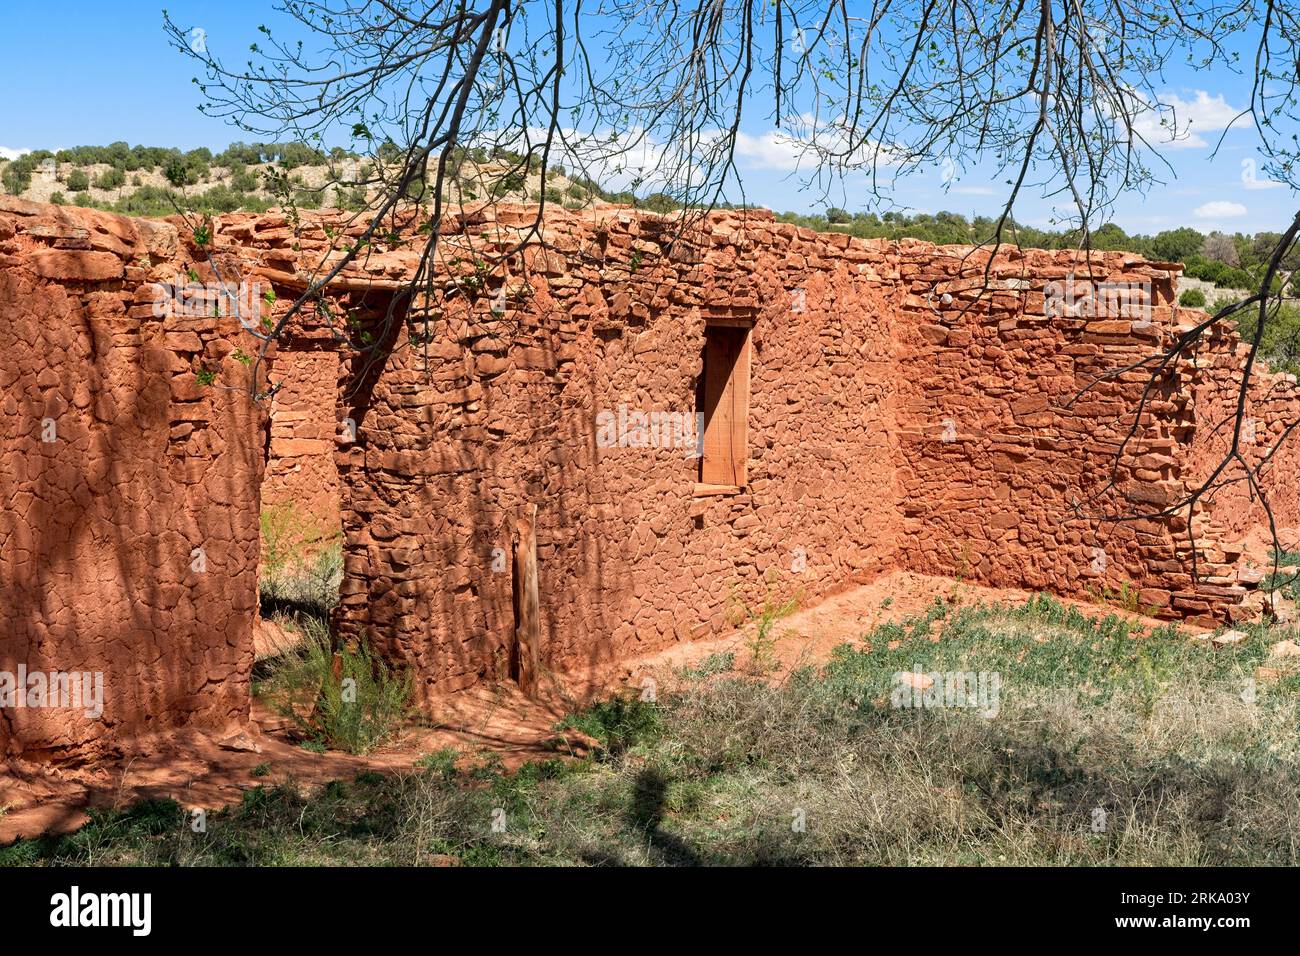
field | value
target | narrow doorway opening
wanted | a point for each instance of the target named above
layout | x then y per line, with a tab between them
723	398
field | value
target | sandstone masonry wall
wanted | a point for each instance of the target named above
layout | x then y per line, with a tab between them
895	418
976	435
1006	465
1030	457
301	492
1232	527
632	554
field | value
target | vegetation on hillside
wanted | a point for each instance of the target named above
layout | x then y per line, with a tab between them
1233	261
252	177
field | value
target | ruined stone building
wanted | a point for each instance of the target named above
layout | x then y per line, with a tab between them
688	422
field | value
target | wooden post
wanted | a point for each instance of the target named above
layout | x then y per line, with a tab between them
527	601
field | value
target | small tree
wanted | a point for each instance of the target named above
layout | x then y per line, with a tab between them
1221	248
658	202
110	179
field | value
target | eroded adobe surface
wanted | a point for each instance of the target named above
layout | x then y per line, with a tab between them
116	466
894	418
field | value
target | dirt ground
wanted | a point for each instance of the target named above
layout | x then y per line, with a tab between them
200	770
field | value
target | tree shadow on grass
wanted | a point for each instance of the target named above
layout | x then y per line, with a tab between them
645	817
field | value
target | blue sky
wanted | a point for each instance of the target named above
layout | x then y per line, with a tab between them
74	72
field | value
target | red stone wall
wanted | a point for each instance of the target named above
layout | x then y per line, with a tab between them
631	557
117	465
1234	521
1057	463
1007	463
888	426
896	417
301	487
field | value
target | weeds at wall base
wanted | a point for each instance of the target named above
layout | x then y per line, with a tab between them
340	698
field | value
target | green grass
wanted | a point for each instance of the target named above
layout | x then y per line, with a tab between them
617	723
300	567
1286	578
1155	733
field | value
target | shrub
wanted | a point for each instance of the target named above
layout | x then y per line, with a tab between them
300	567
186	169
175	171
1239	279
293	155
513	182
1175	245
353	200
344	698
221	198
239	154
1219	273
78	181
1280	343
762	642
243	181
306	584
110	179
659	202
58	199
618	723
17	175
1192	299
146	201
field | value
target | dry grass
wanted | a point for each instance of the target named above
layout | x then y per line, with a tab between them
1106	748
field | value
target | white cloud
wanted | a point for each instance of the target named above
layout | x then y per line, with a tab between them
631	159
634	159
1177	123
7	153
782	150
771	150
1219	209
